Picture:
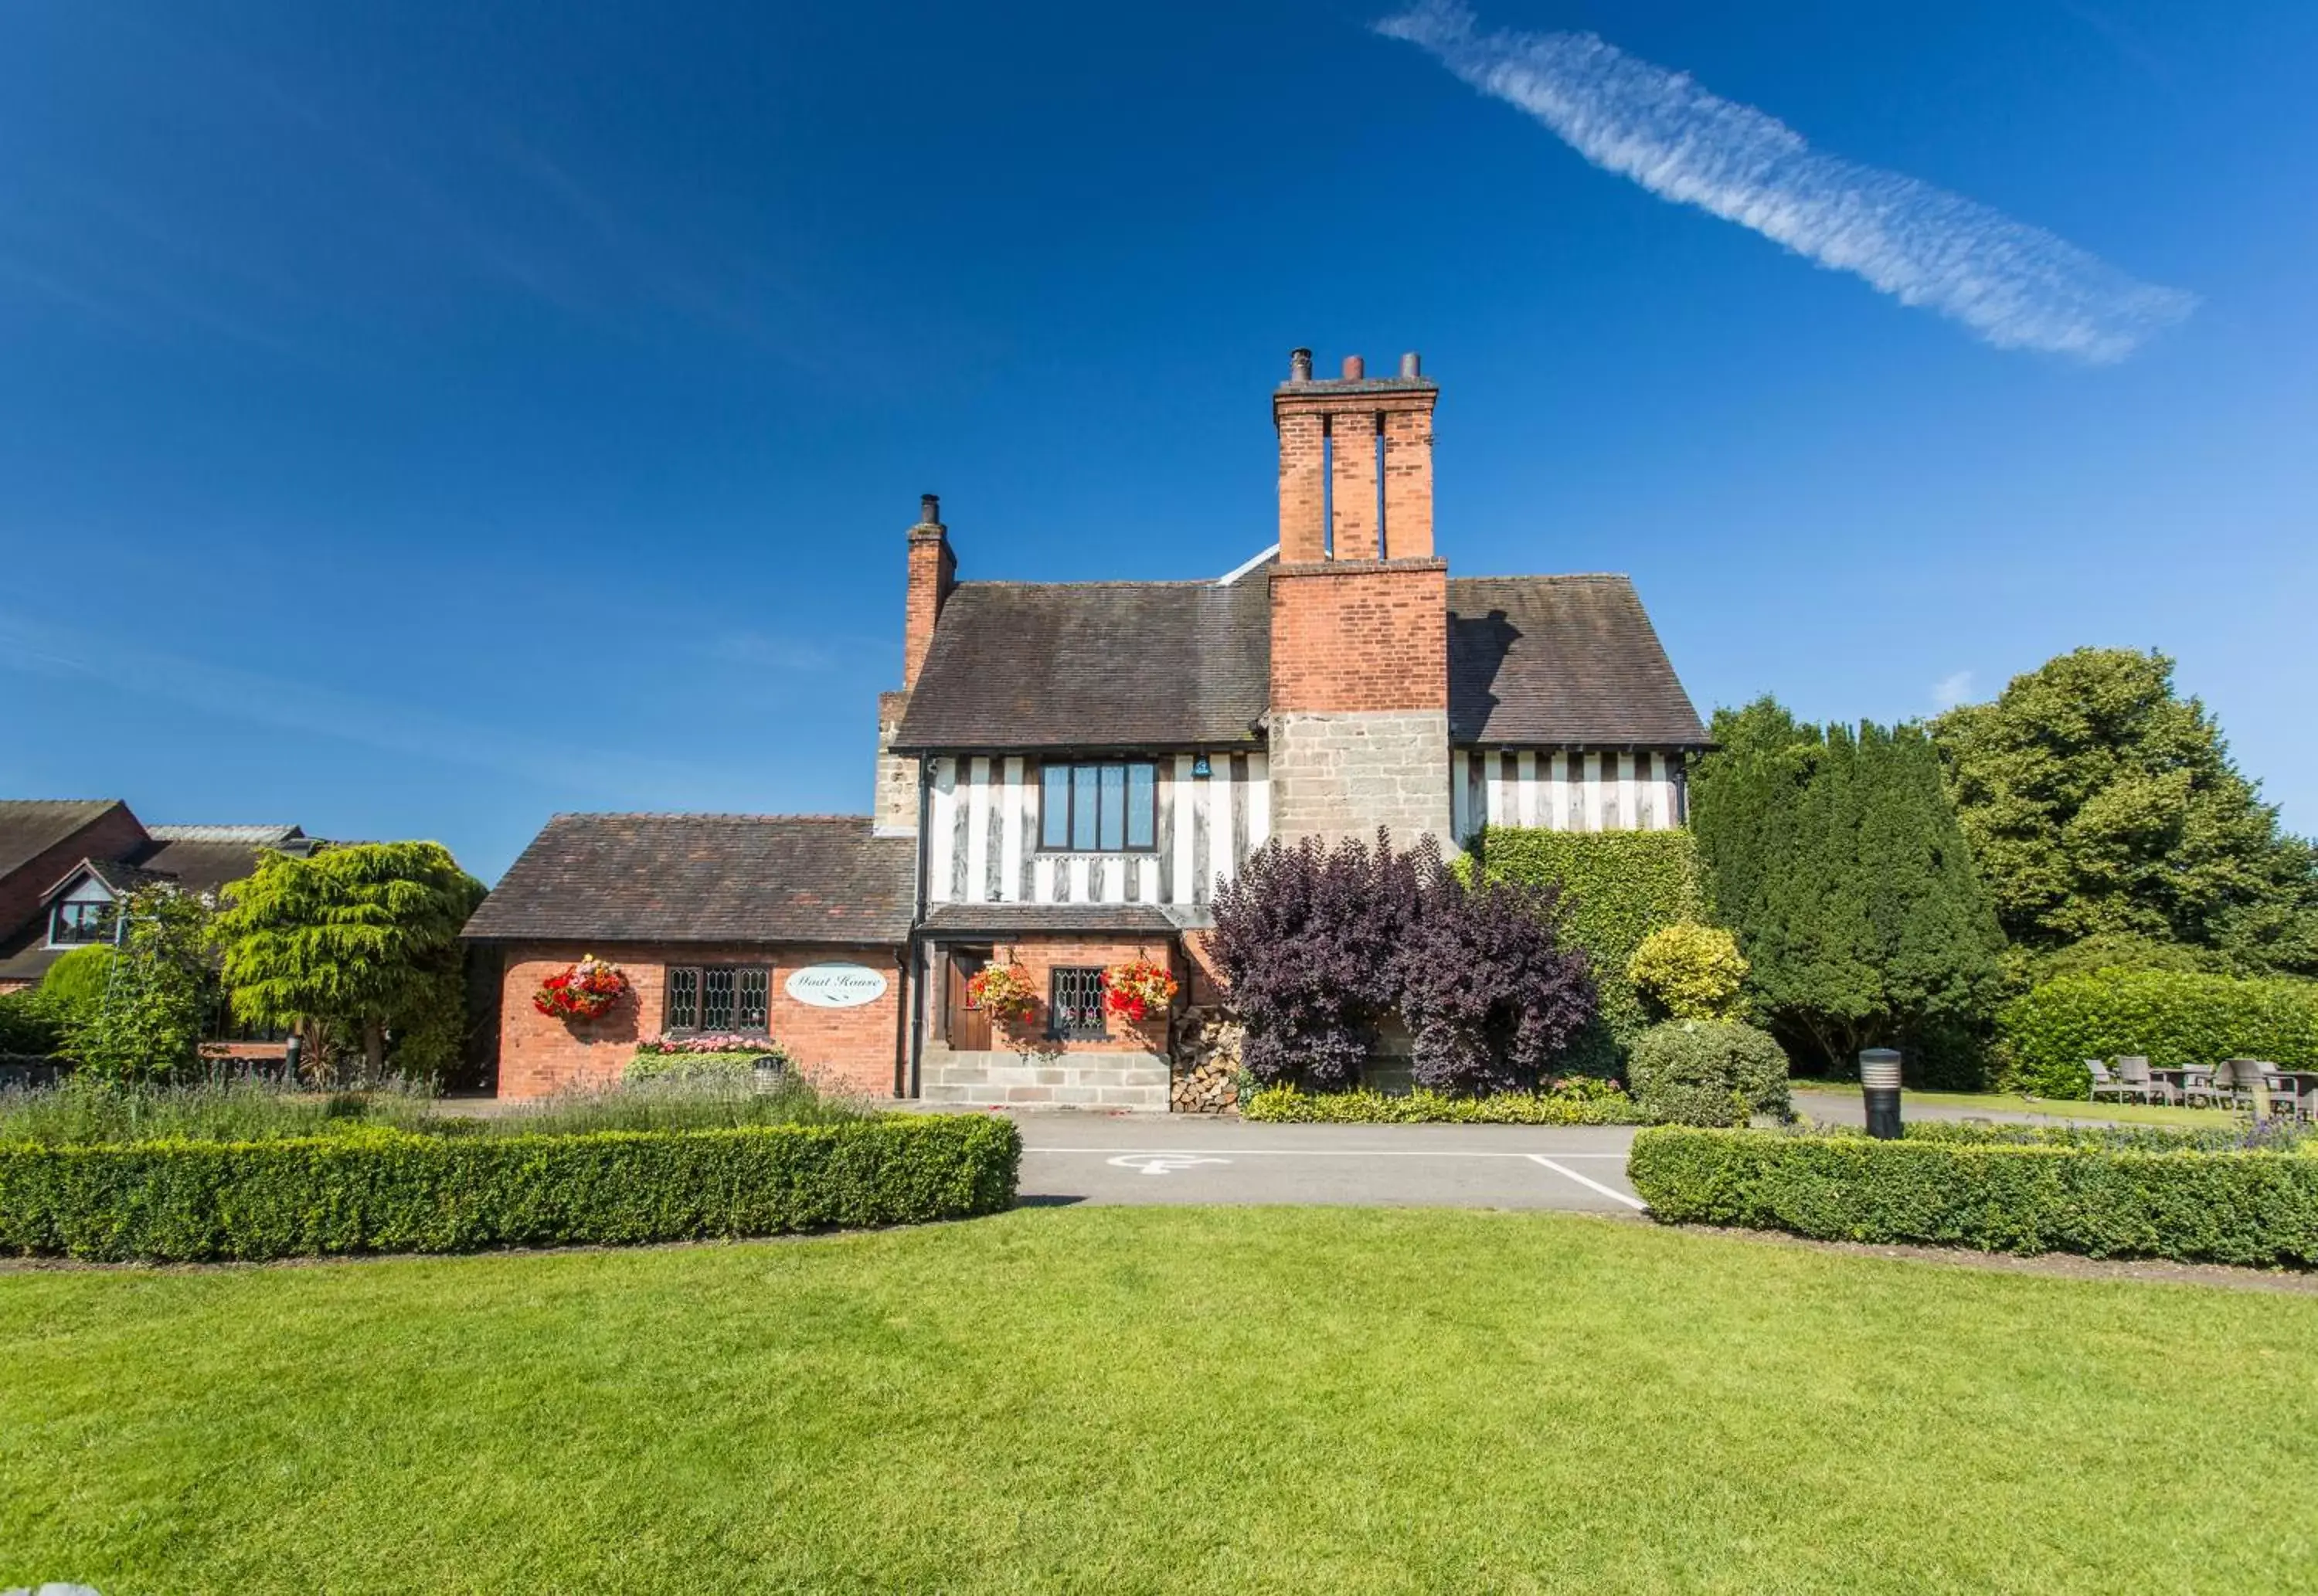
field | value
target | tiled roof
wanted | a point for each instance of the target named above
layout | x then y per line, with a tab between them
248	836
30	827
1537	660
203	866
1123	665
705	878
1008	919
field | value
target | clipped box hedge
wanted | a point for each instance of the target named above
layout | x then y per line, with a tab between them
1285	1105
2241	1207
2172	1016
391	1191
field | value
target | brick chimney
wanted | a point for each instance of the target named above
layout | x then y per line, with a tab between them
1329	432
1358	724
932	574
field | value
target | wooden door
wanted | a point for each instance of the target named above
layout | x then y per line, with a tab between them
966	1028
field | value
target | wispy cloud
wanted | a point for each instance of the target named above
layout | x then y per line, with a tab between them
1951	690
2016	286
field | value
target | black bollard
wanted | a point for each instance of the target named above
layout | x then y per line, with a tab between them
1879	1082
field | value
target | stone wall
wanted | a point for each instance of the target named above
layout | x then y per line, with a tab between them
1343	775
894	812
1112	1081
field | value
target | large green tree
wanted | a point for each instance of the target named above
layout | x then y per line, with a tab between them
142	1018
2107	819
1836	858
354	941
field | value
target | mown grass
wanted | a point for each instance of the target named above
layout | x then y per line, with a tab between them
2005	1102
1149	1400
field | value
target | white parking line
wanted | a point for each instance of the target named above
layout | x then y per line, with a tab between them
1322	1152
1539	1157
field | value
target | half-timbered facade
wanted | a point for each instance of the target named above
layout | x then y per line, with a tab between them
1076	769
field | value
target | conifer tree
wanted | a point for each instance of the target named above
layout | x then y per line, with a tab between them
355	941
1836	858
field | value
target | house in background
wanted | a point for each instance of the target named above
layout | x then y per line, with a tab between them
66	864
1070	772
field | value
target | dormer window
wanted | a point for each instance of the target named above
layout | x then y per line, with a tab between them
75	925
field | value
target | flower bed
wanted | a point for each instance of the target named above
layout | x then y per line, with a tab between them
389	1191
1590	1102
2254	1208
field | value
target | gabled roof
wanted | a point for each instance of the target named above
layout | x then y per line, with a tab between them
30	827
705	878
1120	664
1537	660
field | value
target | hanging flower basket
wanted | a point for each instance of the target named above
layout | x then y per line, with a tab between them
1137	989
588	990
1003	992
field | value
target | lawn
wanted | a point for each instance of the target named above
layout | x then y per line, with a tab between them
1121	1399
2003	1102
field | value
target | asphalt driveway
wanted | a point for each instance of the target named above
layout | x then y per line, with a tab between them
1121	1159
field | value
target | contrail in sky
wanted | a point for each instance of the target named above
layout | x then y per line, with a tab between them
2016	286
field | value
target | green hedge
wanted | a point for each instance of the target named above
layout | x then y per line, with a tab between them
389	1191
1284	1105
2173	1016
702	1066
1707	1071
2258	1208
1618	886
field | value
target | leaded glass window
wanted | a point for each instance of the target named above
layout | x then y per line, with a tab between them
1110	806
718	998
1075	1003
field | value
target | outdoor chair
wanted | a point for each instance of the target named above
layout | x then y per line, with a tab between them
2104	1081
2198	1087
2285	1092
2231	1078
2133	1069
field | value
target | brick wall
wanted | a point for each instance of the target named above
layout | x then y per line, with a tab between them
1360	635
1303	486
111	835
1040	956
851	1050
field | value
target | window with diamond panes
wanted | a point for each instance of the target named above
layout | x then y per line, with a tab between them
718	998
1074	1003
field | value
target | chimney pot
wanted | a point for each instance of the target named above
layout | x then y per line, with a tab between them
1411	364
930	510
1354	368
1299	366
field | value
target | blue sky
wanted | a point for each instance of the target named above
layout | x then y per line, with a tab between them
417	419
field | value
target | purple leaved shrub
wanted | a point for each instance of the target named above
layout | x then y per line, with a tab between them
1306	937
1318	945
1490	994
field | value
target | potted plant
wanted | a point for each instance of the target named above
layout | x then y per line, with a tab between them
1003	992
1137	989
588	990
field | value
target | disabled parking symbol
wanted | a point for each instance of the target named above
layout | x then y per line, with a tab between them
1163	1163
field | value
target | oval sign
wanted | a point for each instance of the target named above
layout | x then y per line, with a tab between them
836	985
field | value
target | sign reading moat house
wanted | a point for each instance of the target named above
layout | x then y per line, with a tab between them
836	985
